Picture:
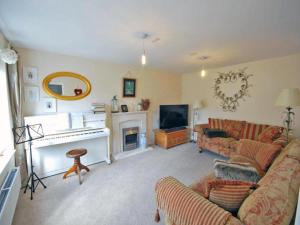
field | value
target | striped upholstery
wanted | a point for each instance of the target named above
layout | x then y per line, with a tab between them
229	194
185	207
252	130
262	153
216	123
265	156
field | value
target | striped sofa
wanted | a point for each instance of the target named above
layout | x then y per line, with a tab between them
235	129
273	202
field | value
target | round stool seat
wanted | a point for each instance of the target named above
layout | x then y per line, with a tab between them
77	166
74	153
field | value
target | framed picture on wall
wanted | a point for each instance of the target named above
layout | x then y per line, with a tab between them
30	75
31	94
124	108
48	105
129	87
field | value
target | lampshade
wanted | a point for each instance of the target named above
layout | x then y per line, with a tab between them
288	97
198	105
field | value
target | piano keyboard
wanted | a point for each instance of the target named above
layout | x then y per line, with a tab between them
70	136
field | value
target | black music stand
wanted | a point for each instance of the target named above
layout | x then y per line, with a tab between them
25	134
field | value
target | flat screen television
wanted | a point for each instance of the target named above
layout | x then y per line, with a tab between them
173	116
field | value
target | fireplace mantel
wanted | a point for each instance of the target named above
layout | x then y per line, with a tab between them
126	120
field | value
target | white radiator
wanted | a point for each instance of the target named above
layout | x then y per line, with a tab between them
9	194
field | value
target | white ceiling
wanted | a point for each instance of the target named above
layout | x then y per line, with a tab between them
229	32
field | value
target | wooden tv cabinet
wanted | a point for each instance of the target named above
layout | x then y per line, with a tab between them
170	139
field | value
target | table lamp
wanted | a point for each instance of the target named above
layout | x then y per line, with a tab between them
289	98
196	106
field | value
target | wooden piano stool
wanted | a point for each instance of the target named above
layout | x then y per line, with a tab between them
77	167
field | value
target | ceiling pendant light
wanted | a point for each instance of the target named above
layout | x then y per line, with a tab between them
143	57
203	72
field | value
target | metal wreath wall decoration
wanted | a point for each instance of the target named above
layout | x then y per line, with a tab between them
230	103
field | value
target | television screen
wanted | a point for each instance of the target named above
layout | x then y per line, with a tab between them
172	116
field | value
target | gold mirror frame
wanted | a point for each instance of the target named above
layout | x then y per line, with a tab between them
51	76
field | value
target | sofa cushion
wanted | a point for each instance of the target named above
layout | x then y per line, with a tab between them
242	171
265	156
185	207
252	130
229	194
269	134
239	158
211	133
224	142
215	123
262	153
248	148
234	128
201	186
275	200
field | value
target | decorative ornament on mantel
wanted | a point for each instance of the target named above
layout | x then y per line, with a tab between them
145	104
230	102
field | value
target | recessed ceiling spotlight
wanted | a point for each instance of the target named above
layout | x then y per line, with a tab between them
156	40
193	53
204	57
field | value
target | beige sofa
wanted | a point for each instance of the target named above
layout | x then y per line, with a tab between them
235	129
273	202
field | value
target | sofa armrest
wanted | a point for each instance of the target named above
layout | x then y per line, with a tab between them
185	207
199	128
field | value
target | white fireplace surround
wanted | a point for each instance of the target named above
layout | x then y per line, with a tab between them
126	120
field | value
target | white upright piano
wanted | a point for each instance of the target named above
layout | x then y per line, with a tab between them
66	131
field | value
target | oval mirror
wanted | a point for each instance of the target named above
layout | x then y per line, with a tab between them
66	86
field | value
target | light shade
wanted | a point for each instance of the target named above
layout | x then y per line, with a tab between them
203	73
198	105
143	59
8	56
288	97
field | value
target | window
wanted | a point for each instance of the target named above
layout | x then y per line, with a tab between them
6	136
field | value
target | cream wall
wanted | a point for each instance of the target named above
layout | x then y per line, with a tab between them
269	77
106	79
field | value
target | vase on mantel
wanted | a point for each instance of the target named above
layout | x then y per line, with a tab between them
114	105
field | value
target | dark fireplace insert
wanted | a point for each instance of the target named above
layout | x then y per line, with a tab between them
130	138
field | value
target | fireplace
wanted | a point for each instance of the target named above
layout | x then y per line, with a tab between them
130	138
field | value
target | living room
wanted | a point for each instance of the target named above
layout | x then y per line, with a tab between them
170	92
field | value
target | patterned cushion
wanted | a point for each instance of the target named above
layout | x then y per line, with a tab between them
236	171
183	206
201	186
262	153
234	128
225	142
215	123
229	194
266	155
269	134
239	158
252	130
274	201
281	140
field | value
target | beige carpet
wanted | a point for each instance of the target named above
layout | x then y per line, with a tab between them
118	194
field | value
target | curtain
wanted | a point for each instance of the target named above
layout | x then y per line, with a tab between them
16	103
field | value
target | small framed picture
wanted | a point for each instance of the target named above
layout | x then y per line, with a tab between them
129	87
124	108
31	94
30	75
48	105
